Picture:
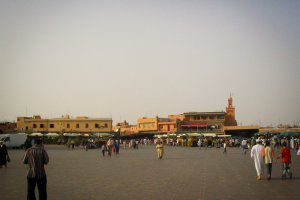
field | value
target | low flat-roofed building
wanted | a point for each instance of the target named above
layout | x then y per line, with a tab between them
125	128
64	124
167	125
7	127
245	131
145	124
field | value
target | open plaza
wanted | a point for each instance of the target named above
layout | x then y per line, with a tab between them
183	173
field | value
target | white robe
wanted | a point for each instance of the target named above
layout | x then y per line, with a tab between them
256	153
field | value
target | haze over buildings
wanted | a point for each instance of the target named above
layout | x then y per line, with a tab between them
127	59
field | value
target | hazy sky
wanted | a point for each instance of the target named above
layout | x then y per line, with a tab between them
128	59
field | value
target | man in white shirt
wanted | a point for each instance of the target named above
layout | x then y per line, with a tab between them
256	154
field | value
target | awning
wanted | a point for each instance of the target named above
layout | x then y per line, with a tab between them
194	124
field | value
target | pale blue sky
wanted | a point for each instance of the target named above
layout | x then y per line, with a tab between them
128	59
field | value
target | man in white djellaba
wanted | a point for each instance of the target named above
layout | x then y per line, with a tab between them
256	154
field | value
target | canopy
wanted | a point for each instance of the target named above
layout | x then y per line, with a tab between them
182	135
103	134
194	134
209	134
289	134
52	135
71	134
223	136
36	134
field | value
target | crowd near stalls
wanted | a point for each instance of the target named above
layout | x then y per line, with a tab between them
292	139
96	140
193	139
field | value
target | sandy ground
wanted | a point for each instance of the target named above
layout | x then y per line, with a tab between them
183	173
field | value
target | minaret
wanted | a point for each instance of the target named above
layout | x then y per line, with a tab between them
230	114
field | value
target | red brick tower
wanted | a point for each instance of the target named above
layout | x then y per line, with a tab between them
230	114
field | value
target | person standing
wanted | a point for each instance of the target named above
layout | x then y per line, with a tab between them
256	154
225	145
3	155
286	160
36	157
199	143
268	155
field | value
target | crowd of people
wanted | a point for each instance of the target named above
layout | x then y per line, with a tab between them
264	156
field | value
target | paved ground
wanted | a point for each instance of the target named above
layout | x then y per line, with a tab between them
183	173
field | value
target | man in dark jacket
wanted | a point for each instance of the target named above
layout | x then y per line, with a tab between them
3	155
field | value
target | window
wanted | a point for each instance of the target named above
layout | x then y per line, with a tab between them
105	125
86	125
42	126
220	116
77	125
196	117
204	117
51	125
68	125
211	117
96	125
34	125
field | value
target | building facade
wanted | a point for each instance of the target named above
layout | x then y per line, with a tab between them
145	124
64	124
125	128
203	121
7	127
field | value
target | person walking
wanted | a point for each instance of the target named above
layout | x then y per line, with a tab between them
36	157
256	154
109	146
4	158
286	161
244	146
103	149
268	155
159	149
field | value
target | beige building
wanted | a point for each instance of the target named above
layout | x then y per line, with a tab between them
125	128
64	124
157	124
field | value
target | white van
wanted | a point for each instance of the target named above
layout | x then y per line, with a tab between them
14	140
